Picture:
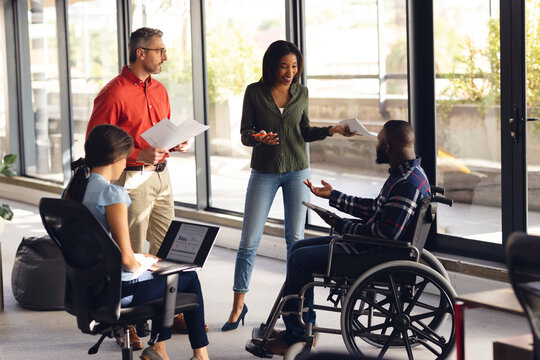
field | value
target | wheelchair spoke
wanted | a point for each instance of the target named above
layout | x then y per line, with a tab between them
430	331
426	306
407	344
369	329
374	304
414	300
394	293
429	347
387	344
427	315
434	339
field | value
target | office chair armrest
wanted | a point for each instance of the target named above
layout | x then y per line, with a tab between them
171	273
168	270
367	240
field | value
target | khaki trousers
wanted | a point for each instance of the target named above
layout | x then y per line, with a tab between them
152	207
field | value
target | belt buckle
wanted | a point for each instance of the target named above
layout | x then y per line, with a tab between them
161	166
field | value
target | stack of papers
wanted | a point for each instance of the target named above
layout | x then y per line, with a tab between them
167	135
355	125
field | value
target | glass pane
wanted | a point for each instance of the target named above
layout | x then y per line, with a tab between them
45	92
173	18
93	55
347	80
237	35
468	115
532	12
4	121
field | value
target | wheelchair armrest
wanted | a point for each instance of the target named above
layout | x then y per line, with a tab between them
370	240
366	240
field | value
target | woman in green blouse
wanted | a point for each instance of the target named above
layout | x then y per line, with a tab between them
275	123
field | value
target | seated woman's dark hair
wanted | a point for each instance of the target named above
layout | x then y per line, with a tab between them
104	145
272	57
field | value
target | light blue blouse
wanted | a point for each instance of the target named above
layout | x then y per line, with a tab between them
99	194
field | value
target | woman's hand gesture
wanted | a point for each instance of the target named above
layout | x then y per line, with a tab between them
266	138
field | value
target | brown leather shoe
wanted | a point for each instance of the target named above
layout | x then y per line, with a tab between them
276	346
135	341
179	325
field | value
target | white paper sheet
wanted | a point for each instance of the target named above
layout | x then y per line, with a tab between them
167	135
355	125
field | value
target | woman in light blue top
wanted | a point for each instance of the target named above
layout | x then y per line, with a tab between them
106	150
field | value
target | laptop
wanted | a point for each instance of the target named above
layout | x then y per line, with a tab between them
187	245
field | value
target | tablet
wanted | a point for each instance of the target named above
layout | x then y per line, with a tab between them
322	210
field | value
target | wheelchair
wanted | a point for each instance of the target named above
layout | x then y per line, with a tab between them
394	299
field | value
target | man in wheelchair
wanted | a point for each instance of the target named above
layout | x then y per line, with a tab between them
387	216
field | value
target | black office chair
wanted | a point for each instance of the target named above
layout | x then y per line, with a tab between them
523	259
93	283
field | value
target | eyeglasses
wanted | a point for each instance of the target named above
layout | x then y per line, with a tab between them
162	51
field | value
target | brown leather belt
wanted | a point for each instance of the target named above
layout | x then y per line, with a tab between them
157	168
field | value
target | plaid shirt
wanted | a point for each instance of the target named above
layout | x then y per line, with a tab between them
388	215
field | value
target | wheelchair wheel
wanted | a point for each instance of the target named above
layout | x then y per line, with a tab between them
430	260
399	304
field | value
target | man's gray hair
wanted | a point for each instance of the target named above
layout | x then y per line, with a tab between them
140	38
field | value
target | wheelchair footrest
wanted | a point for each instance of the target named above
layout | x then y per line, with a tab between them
258	332
258	350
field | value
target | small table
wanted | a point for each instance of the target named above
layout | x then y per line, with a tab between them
501	300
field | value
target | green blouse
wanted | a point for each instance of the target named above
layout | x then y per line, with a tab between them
260	112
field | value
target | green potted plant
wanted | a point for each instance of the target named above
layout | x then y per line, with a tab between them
7	168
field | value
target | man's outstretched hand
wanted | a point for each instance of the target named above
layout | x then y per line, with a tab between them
323	191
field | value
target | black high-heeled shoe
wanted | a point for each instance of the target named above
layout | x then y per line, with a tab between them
231	326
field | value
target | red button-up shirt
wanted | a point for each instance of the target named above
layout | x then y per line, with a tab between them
133	105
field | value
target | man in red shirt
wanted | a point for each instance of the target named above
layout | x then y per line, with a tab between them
135	102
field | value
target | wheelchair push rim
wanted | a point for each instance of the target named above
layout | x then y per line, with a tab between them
399	304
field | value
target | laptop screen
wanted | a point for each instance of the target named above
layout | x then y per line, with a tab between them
188	243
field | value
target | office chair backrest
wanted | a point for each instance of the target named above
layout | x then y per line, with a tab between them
523	260
418	230
93	261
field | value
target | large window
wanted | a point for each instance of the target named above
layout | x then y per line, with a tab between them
173	18
237	35
46	161
93	55
348	78
533	112
4	123
467	65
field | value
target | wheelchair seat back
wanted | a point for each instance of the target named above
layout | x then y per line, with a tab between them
353	265
418	229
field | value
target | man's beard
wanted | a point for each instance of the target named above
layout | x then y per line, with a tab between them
153	70
382	157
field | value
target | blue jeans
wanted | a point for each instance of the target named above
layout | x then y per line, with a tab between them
147	287
262	188
307	257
